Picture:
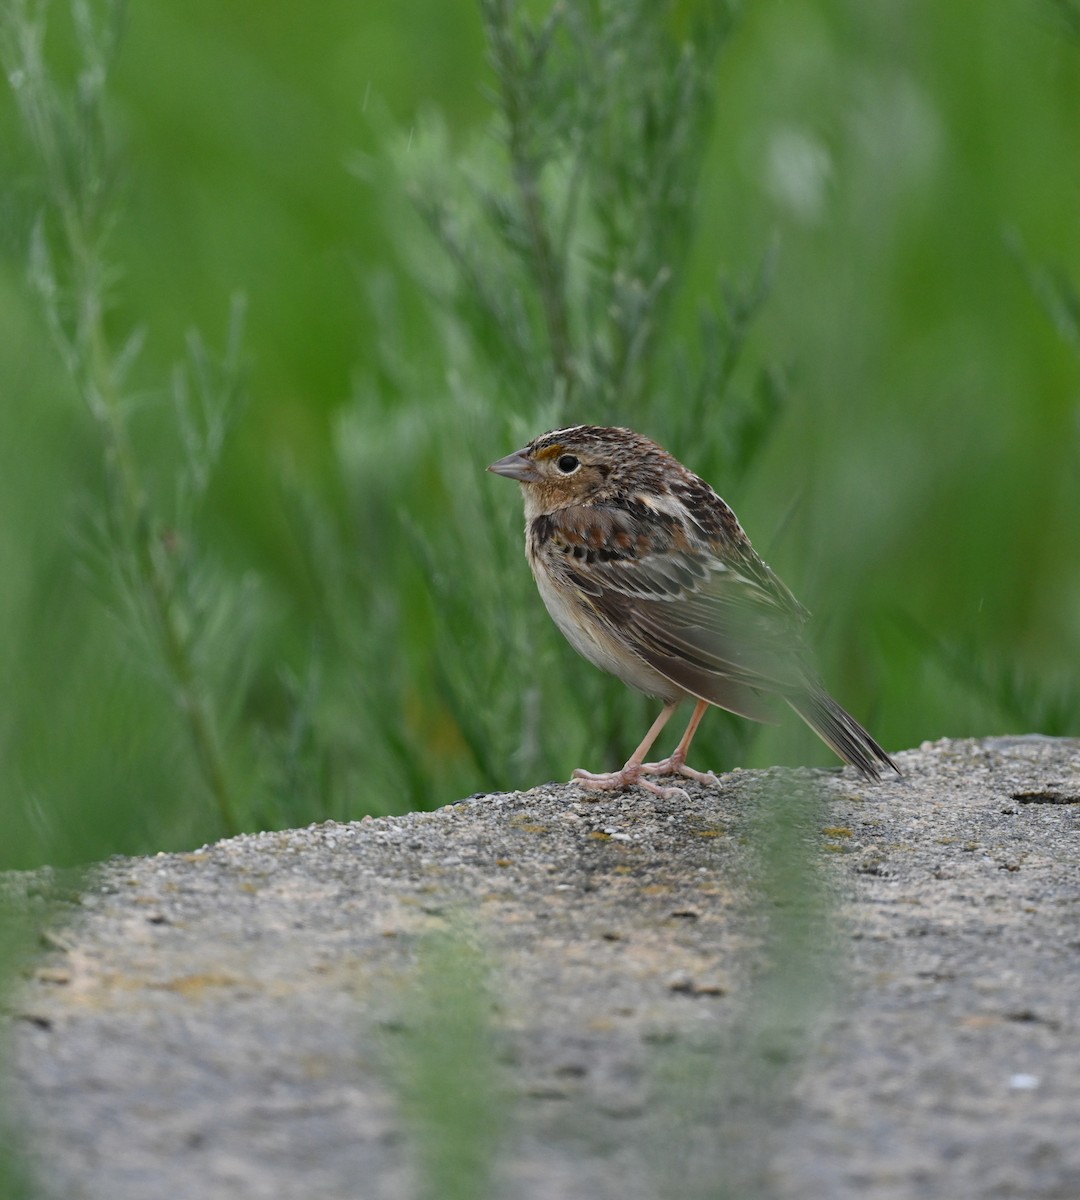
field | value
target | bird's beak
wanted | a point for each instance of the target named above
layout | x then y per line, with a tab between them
516	466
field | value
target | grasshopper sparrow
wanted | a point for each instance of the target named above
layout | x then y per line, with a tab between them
649	575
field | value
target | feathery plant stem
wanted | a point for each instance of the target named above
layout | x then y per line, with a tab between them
565	247
513	68
605	112
69	269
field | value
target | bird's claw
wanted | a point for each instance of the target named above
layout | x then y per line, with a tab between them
632	776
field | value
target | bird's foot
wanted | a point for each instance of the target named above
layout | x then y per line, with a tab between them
675	765
629	776
632	775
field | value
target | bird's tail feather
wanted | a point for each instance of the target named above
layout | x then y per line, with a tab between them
839	730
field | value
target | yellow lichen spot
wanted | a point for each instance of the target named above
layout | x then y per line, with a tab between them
504	862
528	824
193	986
600	836
837	831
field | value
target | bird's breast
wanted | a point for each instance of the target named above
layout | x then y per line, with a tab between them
586	630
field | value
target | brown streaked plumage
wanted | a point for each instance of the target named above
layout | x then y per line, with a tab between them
650	576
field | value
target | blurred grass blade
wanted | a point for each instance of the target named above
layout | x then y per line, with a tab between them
445	1069
721	1099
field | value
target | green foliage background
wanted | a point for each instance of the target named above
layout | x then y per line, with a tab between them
896	421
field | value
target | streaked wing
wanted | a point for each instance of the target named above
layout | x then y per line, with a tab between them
709	615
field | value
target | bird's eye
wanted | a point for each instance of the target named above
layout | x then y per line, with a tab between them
568	464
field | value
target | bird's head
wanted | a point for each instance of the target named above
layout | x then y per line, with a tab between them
583	464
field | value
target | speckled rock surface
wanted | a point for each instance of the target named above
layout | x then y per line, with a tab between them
213	1025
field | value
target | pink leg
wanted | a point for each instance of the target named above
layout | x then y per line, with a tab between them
617	780
636	766
676	764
